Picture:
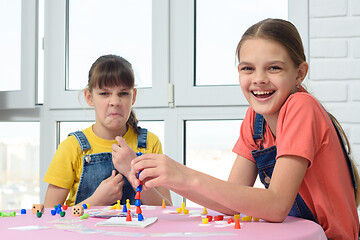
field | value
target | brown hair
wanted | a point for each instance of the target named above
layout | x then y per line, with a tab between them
280	31
113	70
285	33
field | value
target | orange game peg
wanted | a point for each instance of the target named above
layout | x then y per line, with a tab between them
128	216
237	224
163	204
138	210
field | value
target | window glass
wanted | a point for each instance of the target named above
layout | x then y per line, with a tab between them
99	27
10	45
19	164
209	146
219	27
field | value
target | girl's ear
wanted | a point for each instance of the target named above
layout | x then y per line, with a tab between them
134	96
302	71
88	97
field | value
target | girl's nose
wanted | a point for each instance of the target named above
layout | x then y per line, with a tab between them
114	100
260	77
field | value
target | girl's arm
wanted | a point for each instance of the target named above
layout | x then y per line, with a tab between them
154	196
55	195
271	204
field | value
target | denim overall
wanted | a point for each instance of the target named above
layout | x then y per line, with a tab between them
266	160
99	166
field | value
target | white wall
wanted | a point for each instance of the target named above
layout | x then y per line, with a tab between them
334	75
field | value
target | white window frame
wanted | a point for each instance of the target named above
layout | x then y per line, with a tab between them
26	96
182	25
55	57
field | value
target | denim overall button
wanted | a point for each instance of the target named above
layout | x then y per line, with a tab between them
267	179
88	159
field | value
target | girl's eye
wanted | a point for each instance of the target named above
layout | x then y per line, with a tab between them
103	93
124	93
246	69
274	68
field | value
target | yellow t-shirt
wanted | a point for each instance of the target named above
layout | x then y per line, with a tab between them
66	167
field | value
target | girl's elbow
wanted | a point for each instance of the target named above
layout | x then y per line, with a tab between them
279	215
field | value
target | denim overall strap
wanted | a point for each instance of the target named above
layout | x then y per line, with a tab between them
259	127
80	136
265	160
142	138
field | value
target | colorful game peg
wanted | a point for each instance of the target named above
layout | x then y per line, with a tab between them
62	214
204	211
128	216
84	206
23	211
137	195
246	219
219	218
39	214
137	202
128	203
139	188
53	212
205	220
230	220
124	208
84	216
140	217
138	210
163	204
237	224
65	207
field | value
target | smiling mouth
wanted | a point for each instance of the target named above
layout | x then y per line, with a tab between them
262	94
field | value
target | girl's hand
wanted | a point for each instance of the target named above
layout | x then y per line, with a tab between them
122	156
160	170
109	190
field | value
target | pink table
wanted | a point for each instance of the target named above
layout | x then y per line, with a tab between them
168	226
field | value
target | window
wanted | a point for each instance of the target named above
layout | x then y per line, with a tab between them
100	27
10	20
219	26
19	164
18	44
136	30
209	146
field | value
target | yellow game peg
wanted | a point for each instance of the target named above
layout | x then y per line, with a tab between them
246	219
128	204
204	211
237	216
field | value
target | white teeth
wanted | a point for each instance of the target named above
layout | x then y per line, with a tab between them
262	92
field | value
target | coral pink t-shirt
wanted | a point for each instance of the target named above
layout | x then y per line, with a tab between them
304	129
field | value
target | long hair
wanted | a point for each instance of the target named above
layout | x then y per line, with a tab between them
285	33
113	70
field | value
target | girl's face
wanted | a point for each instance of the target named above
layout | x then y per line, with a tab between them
112	109
267	75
